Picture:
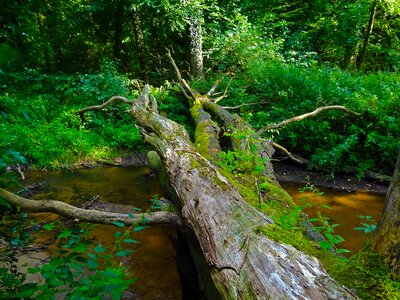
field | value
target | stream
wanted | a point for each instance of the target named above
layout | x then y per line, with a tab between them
154	261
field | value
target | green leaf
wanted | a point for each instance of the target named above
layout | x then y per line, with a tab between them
326	206
64	234
99	249
48	226
33	270
118	234
5	203
119	224
80	247
124	253
139	228
343	251
92	264
131	241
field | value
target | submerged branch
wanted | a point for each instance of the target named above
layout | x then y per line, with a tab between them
305	116
89	215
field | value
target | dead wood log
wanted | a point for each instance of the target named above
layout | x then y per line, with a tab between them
89	215
243	263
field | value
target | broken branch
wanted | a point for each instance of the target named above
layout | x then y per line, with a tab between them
305	116
105	104
90	215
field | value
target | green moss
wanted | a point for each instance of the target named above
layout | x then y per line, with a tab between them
368	275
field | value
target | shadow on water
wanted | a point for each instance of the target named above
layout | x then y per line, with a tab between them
345	207
153	261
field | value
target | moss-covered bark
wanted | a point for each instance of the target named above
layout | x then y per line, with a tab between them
387	236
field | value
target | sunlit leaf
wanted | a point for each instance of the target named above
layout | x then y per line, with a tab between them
124	253
139	228
119	224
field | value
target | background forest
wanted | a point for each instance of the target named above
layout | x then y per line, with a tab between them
290	56
276	59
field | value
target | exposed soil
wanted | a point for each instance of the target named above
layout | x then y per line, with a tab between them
289	172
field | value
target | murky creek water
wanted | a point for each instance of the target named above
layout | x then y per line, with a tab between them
154	260
344	209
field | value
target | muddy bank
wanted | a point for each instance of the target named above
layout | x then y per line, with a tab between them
290	172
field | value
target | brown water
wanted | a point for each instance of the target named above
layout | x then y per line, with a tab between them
154	259
344	209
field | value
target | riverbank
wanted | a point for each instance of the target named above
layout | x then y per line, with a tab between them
290	172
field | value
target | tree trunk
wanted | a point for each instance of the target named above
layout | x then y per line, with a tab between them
137	30
196	46
387	234
119	17
368	32
243	262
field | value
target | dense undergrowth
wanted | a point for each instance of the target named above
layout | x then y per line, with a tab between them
333	141
39	117
40	126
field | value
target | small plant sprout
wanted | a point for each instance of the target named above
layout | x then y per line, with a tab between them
368	226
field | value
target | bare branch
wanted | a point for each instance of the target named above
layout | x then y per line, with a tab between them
224	95
183	83
89	215
244	104
105	104
299	160
213	88
305	116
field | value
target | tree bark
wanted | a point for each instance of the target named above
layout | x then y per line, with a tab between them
387	233
89	215
243	263
118	27
368	32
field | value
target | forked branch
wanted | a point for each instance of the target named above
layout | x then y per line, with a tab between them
305	116
89	215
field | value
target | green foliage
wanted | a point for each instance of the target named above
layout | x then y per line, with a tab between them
333	140
80	269
42	123
367	227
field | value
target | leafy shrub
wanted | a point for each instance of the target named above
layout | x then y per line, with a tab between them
333	140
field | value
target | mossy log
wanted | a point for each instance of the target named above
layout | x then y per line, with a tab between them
242	261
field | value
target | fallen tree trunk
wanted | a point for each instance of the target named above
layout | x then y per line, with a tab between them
225	233
243	262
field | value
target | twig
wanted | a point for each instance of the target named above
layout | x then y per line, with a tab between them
299	160
213	88
244	104
224	95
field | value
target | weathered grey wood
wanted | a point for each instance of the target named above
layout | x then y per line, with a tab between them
243	263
